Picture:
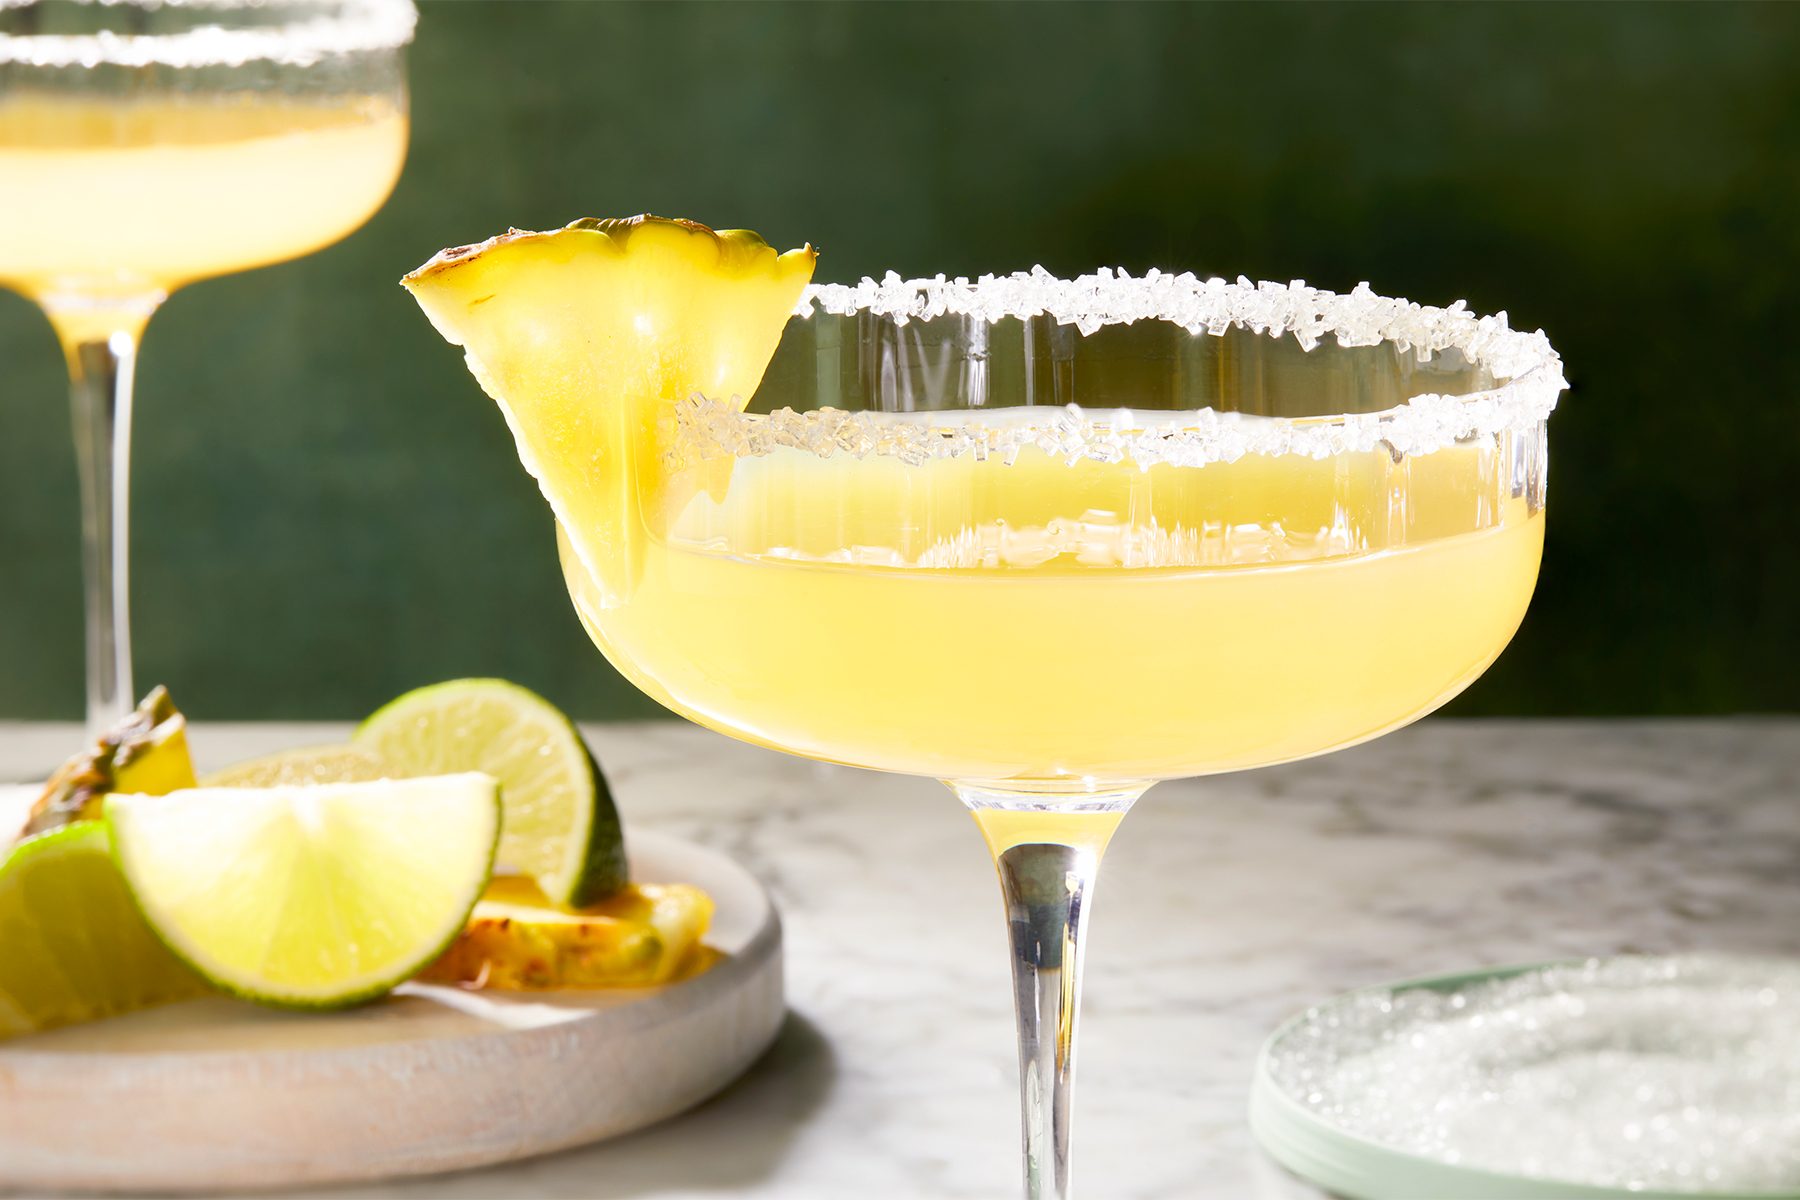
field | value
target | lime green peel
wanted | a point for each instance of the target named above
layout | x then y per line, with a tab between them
561	826
72	944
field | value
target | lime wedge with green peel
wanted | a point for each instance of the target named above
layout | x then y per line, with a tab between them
309	897
308	764
72	945
561	827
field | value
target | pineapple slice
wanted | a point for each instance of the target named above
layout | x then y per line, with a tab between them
146	753
645	934
587	336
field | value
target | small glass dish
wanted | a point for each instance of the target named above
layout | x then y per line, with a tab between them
1648	1078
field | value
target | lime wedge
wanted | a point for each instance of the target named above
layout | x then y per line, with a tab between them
309	897
309	764
72	945
561	827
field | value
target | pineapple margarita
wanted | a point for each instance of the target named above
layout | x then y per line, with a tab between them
1046	623
216	184
146	144
1046	540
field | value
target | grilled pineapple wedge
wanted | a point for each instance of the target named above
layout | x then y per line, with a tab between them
645	934
146	753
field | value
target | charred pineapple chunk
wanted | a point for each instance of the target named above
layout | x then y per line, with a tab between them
643	935
146	753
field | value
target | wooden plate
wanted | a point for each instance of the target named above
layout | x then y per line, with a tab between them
215	1093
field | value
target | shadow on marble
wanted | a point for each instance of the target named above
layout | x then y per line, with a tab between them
735	1140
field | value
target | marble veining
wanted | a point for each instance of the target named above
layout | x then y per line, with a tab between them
1226	904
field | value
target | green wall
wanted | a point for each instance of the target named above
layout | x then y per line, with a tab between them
328	511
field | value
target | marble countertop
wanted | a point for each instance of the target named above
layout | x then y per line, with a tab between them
1225	905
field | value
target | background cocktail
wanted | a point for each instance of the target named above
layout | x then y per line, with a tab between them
216	183
147	144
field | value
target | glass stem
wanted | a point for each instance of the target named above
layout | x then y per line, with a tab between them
101	361
1047	850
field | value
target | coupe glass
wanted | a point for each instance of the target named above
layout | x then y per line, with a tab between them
1052	541
145	144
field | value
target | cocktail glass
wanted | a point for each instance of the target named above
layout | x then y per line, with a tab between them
1053	541
145	144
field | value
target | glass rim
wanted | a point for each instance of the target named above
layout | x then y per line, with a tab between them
349	27
1527	372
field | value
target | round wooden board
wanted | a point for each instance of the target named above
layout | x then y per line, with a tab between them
217	1094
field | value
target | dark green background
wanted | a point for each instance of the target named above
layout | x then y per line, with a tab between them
328	511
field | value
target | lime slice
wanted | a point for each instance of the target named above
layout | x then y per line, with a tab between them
72	945
309	897
309	764
561	827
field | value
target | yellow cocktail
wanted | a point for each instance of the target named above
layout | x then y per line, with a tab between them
132	197
145	145
1047	541
1060	626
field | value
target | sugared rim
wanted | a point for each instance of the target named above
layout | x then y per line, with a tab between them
1109	297
1527	370
349	27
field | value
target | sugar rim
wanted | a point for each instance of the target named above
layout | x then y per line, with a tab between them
1528	371
356	26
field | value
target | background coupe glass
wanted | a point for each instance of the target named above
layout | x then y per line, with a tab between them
1051	542
145	144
